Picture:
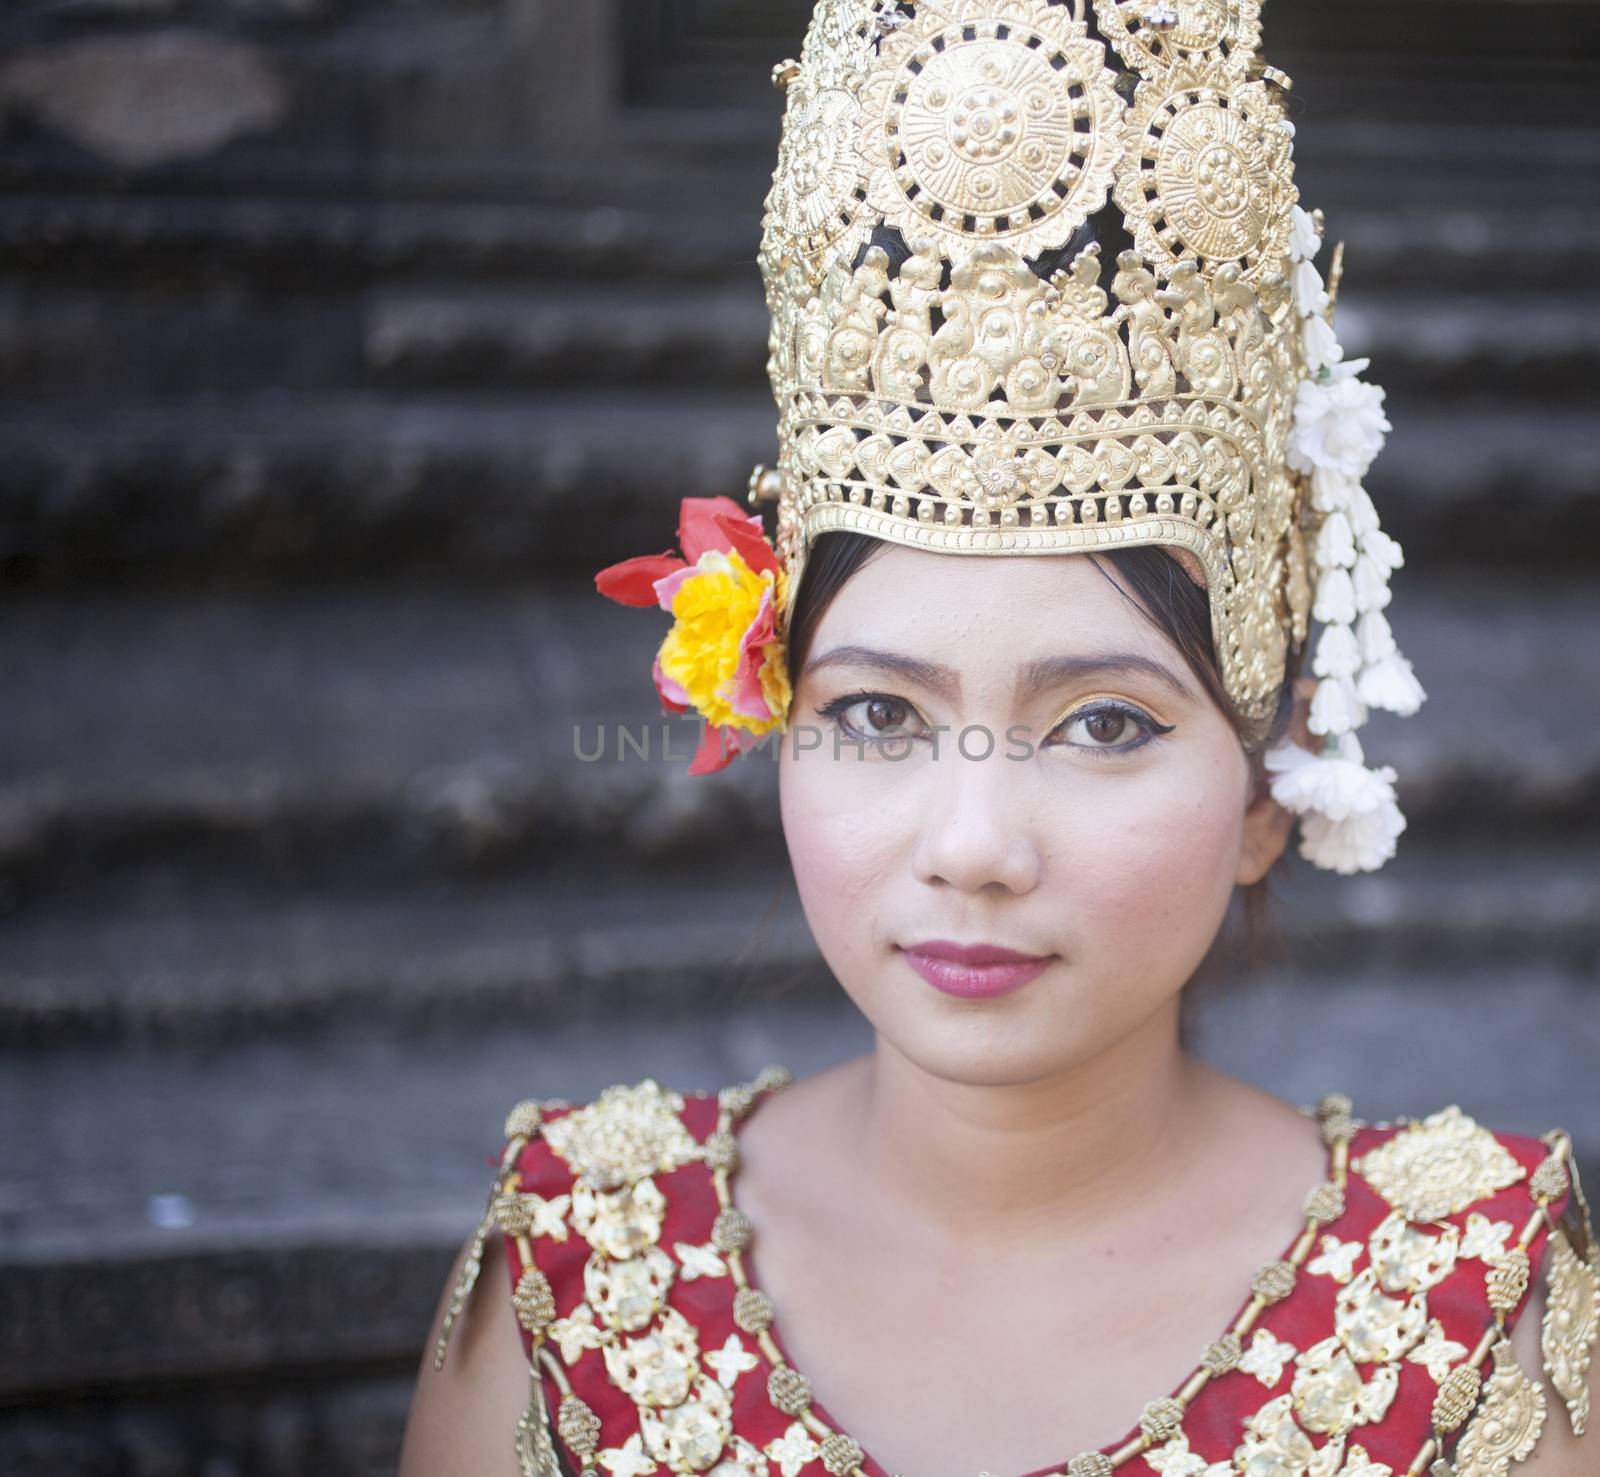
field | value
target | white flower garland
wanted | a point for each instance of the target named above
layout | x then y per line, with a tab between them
1348	816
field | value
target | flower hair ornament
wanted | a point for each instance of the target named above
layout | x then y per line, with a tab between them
956	368
723	656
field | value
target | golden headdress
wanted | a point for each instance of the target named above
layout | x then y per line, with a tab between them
1039	282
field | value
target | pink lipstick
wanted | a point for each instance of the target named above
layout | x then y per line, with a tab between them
976	971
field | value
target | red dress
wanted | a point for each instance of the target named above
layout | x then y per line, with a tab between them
1374	1346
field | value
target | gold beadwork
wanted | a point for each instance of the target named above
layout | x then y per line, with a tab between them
772	1077
1456	1396
752	1309
721	1150
534	1301
1506	1429
1550	1179
1325	1203
1508	1280
1090	1464
1335	1105
1274	1281
578	1426
731	1231
523	1120
736	1100
840	1453
1223	1354
788	1389
1160	1420
1570	1327
1437	1167
1338	1128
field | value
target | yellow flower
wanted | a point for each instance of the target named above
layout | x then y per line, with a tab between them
713	610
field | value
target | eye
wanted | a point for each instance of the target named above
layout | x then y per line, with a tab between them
1109	728
874	717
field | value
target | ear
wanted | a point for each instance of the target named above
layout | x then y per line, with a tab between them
1267	825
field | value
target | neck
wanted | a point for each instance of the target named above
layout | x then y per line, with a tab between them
1056	1152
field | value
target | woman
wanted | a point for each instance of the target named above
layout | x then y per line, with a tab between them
1026	1232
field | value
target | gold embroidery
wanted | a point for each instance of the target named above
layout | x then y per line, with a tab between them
1436	1353
689	1436
1571	1326
619	1223
624	1134
1407	1259
1274	1445
628	1294
1329	1393
1506	1427
1374	1327
656	1368
1434	1168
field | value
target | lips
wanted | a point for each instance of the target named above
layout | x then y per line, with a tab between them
972	954
974	971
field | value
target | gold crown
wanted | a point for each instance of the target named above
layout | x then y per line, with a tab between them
952	368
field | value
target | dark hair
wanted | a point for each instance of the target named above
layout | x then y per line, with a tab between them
1158	587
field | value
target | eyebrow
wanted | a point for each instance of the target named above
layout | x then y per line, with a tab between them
1033	678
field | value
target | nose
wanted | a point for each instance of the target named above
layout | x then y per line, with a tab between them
976	830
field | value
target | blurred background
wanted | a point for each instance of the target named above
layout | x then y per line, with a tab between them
340	342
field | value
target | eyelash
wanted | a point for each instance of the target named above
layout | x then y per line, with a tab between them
834	708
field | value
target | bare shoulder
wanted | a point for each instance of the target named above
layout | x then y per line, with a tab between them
463	1417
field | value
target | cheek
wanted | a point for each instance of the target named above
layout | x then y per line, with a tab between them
1148	867
844	852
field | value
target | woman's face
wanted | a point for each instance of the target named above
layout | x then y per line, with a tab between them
1111	842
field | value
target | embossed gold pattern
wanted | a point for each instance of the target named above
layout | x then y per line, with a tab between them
1506	1427
935	390
1571	1326
1439	1166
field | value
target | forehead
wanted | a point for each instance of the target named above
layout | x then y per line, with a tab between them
1030	603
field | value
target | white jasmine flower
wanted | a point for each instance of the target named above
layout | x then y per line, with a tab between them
1304	242
1358	509
1381	547
1391	684
1334	784
1319	345
1336	706
1305	282
1362	843
1338	423
1371	583
1374	636
1333	490
1336	597
1336	545
1338	653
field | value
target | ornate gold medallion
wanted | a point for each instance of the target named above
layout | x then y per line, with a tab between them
1150	38
1508	1421
624	1134
1437	1167
1004	124
1206	174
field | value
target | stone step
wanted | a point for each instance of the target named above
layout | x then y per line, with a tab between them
175	1211
295	483
168	955
117	337
386	737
